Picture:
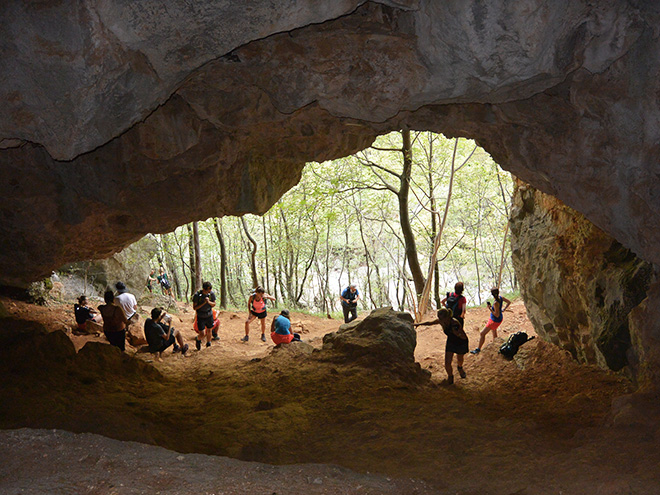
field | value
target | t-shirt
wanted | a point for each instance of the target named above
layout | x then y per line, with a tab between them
82	313
205	311
351	296
282	325
154	333
127	303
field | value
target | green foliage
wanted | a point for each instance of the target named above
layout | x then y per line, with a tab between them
340	224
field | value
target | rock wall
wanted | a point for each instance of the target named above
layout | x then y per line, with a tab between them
580	285
123	118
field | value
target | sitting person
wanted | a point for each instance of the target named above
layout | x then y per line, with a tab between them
114	321
159	337
84	315
280	329
210	333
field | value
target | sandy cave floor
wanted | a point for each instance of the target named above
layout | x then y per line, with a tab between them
538	424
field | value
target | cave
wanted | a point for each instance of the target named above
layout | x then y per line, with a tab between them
217	106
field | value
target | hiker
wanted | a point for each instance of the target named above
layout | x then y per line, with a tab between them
210	333
457	342
349	298
280	329
257	309
495	319
160	336
84	314
165	284
456	302
114	321
203	303
127	302
151	279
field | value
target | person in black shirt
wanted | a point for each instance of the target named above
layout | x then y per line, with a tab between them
203	303
86	318
457	342
160	337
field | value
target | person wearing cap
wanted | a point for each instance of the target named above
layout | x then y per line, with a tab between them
349	298
495	319
280	329
127	302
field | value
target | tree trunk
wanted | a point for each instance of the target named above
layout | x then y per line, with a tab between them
404	216
198	256
191	260
223	262
253	254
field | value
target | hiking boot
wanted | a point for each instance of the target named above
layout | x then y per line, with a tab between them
245	339
176	349
208	344
215	337
198	344
461	372
450	380
263	338
476	351
184	350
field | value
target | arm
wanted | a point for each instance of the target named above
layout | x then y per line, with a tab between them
123	316
272	326
444	302
268	296
250	303
463	309
424	323
508	303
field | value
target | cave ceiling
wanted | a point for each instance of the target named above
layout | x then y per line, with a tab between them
122	118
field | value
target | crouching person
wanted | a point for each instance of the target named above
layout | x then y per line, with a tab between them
280	329
161	337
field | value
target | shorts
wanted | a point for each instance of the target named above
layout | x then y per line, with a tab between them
166	343
278	338
205	322
492	325
261	316
118	339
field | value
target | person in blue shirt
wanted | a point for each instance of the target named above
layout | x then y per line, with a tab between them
349	298
280	329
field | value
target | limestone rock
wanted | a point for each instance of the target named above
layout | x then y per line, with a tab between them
579	284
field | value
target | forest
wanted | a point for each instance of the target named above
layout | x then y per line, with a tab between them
413	207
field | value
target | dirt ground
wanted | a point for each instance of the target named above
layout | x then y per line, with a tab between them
538	424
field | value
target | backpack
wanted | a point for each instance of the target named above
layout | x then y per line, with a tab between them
513	343
454	303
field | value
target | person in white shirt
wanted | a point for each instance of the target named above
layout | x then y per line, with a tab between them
127	302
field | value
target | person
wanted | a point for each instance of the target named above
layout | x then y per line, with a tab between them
151	279
84	315
160	336
210	333
257	309
349	298
127	302
457	303
203	303
495	319
114	321
457	342
165	284
280	329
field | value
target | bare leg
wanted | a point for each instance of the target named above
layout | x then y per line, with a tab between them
208	335
449	356
247	323
158	357
178	337
263	326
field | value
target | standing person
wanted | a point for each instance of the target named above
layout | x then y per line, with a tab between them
114	321
280	329
203	303
257	309
495	319
165	284
456	302
127	302
457	342
150	280
210	333
84	314
160	336
349	299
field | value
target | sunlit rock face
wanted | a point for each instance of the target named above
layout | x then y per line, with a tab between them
121	118
580	285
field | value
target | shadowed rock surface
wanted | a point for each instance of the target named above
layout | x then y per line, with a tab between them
579	284
112	107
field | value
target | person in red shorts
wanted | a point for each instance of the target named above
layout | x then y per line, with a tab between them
209	333
495	319
280	329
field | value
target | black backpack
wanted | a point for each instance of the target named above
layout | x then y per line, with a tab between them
513	343
453	303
